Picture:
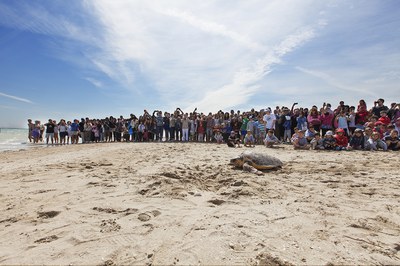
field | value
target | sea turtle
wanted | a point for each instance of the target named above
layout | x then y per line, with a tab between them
255	162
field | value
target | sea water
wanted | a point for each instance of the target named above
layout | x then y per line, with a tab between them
13	139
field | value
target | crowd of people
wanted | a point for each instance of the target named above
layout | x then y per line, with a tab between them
343	128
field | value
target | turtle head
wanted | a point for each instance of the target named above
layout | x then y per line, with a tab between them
237	162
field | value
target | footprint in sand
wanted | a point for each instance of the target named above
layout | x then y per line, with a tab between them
47	239
216	201
267	259
109	225
144	217
49	214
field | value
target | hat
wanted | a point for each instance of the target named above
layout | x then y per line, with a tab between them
340	130
358	130
233	132
377	123
329	133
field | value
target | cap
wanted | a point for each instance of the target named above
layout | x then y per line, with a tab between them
329	133
340	130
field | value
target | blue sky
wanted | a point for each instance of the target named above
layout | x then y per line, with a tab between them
95	58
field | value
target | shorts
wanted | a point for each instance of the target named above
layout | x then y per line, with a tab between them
63	134
35	134
74	133
50	135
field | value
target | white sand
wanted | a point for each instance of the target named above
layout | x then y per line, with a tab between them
174	203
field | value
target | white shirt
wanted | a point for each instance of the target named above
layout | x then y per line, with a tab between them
269	121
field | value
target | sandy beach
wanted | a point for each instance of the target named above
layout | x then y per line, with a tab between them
175	203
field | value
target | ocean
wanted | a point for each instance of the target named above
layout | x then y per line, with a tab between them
13	139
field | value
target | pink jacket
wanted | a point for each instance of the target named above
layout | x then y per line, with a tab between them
314	120
327	119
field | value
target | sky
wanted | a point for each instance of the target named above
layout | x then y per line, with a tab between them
96	58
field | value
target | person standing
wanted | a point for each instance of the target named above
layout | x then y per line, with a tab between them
166	126
159	125
185	128
172	121
55	132
269	120
50	131
209	128
31	126
379	107
63	129
74	129
87	134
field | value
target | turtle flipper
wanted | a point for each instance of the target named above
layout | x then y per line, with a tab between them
249	168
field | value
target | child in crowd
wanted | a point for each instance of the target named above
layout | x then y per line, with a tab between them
250	124
125	134
287	125
329	142
218	137
249	140
295	135
341	139
357	140
96	132
233	140
201	130
327	117
317	142
301	121
361	114
271	140
371	122
261	130
387	130
384	118
375	143
300	143
342	122
393	141
352	119
380	128
310	133
141	130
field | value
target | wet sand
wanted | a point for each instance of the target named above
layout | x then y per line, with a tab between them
174	203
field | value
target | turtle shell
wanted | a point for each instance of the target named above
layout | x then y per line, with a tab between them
261	161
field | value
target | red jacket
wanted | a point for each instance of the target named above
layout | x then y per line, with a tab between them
385	120
341	141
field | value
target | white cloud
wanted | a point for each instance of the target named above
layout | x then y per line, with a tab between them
336	83
212	28
244	84
15	98
212	54
95	82
192	51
